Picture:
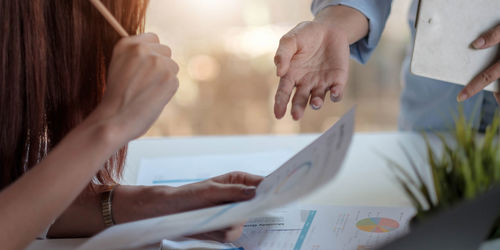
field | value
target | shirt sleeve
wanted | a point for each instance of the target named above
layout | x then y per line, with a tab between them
377	12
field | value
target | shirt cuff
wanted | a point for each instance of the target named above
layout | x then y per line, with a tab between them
376	12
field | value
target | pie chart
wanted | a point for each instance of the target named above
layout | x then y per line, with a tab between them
377	225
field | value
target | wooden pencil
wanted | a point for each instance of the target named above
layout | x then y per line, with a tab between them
109	17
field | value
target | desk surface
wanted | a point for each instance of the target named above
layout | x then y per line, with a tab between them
365	178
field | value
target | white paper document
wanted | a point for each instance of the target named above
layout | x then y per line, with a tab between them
278	229
309	169
326	227
177	171
193	244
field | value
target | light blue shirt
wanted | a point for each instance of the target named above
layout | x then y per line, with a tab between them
426	104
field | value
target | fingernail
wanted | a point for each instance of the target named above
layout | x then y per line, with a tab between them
249	190
333	98
461	97
316	103
479	43
334	95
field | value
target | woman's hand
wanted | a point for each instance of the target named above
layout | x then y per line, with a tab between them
141	80
314	59
486	40
231	187
131	203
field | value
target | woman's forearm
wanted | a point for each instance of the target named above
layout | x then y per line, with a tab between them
36	199
353	22
83	218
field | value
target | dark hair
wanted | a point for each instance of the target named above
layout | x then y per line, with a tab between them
54	57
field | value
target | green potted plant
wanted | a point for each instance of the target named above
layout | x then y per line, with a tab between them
467	165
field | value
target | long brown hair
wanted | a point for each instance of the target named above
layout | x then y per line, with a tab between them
54	57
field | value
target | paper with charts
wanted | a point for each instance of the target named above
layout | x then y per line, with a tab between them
309	169
326	227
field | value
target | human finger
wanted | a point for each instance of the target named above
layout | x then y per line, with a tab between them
172	65
497	96
282	96
166	81
479	82
234	233
300	100
161	49
318	94
146	37
140	45
136	42
229	234
218	193
336	81
286	50
238	177
488	39
337	92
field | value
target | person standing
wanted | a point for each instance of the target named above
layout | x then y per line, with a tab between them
314	58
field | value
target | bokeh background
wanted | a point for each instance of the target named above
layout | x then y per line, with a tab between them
225	50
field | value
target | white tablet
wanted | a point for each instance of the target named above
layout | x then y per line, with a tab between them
445	31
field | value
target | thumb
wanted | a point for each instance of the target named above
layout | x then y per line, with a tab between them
488	39
286	50
146	37
224	193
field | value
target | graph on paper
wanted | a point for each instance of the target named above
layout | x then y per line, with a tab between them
377	225
326	227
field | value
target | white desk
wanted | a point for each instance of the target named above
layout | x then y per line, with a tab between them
364	179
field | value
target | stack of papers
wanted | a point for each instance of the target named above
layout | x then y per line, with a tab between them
325	227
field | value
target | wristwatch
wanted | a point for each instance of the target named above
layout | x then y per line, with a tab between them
106	206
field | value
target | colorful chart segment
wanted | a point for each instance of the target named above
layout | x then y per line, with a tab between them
377	225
